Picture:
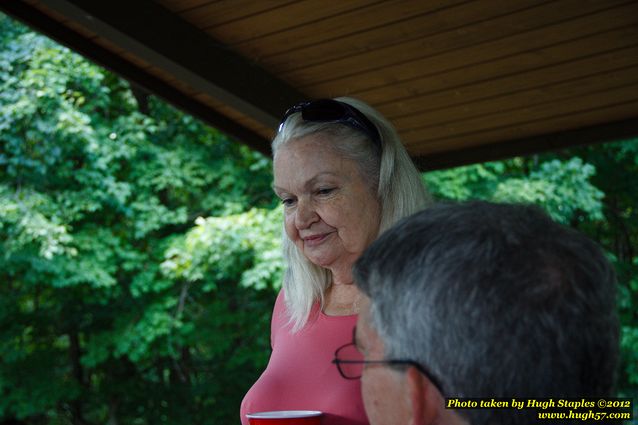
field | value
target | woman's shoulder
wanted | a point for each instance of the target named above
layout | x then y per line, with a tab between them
280	319
280	304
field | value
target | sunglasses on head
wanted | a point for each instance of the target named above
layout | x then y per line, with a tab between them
333	111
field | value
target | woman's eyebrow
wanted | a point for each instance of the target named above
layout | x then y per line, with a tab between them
308	183
313	180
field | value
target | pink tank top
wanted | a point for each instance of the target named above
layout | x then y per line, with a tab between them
300	375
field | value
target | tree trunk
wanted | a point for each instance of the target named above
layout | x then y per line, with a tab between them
78	373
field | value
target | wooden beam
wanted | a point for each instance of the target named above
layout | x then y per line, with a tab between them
603	133
161	38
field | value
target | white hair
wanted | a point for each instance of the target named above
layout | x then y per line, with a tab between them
388	170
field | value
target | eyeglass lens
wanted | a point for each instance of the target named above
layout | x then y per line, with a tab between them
350	353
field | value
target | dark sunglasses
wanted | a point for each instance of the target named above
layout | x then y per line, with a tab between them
330	110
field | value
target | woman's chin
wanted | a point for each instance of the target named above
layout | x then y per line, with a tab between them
321	258
320	261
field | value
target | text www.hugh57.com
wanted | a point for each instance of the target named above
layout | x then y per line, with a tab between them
585	416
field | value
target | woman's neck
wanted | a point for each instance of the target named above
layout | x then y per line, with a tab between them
342	275
341	300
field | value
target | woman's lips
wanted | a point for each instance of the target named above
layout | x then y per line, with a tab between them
315	240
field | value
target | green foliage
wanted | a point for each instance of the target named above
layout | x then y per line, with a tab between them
101	188
212	250
617	166
562	187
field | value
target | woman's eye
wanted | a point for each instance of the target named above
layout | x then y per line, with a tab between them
325	191
287	201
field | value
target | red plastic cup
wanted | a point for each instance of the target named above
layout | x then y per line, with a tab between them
285	417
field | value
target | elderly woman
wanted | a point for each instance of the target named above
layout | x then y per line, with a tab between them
343	177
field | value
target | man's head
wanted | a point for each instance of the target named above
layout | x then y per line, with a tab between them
493	301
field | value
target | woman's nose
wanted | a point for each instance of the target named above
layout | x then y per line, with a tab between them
305	214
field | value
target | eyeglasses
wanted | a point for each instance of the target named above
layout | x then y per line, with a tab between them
330	110
349	362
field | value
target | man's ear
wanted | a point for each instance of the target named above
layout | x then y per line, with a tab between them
425	399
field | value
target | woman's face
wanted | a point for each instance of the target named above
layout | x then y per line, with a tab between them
331	214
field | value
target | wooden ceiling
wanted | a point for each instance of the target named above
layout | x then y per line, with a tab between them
463	81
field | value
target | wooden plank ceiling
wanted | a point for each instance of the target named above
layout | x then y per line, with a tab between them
463	81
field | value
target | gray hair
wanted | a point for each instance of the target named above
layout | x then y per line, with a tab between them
389	171
495	301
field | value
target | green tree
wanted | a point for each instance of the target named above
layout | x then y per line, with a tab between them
113	308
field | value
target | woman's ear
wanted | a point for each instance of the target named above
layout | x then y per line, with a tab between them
425	400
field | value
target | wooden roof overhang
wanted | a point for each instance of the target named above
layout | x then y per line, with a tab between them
463	81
